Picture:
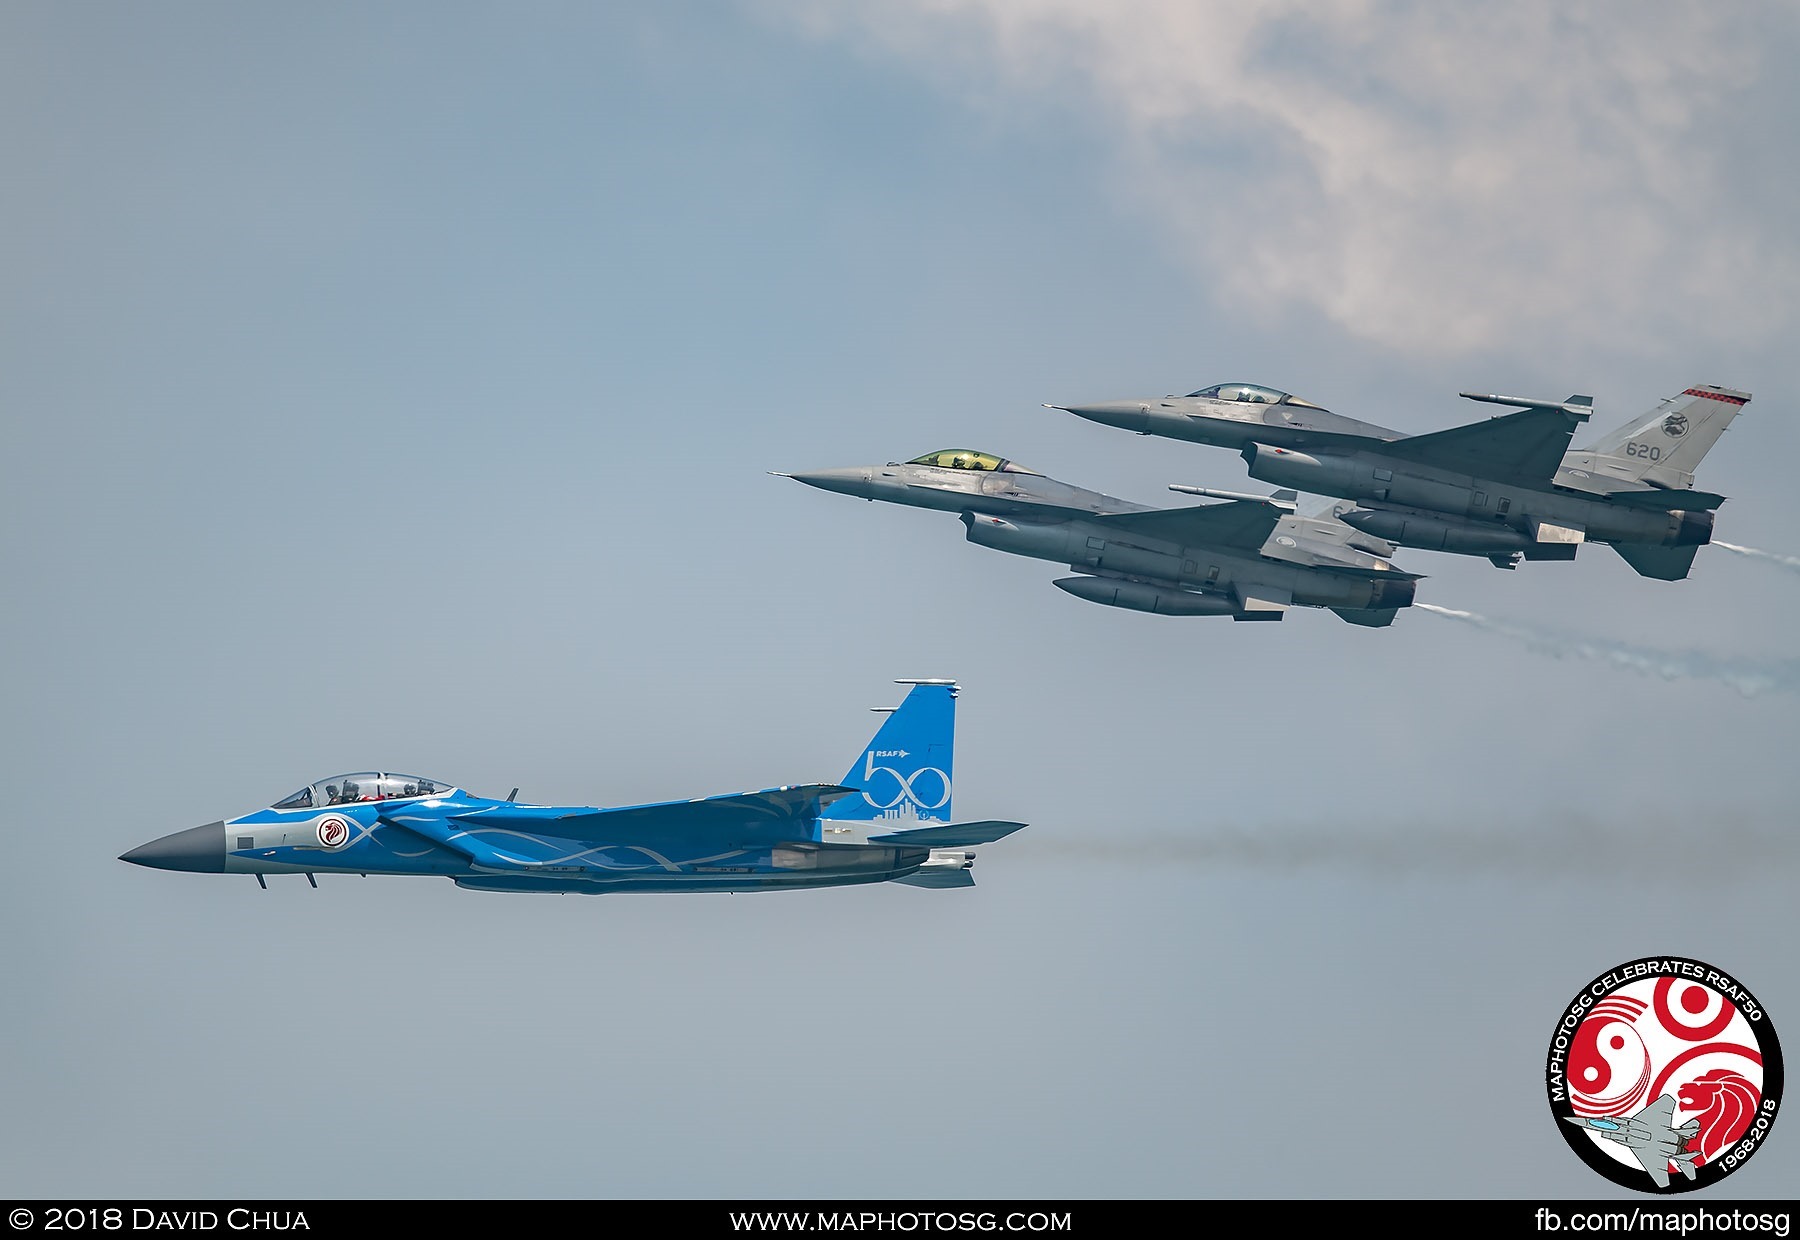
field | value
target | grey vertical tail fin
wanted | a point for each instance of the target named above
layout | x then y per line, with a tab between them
1664	446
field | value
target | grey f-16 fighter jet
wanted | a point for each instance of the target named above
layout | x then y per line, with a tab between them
1650	1136
1508	488
1249	558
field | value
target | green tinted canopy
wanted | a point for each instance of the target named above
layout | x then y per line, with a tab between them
1253	394
963	458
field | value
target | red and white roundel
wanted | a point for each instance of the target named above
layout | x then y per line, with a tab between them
334	831
1664	1074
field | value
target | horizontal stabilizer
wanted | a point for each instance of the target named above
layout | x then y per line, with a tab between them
937	878
1239	523
1659	562
1667	499
1373	618
1526	446
951	835
733	818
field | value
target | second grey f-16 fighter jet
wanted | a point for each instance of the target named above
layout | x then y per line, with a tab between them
1508	488
1249	558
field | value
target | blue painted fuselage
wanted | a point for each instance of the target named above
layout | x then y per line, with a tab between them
500	846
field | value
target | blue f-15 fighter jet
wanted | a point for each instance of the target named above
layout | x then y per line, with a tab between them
887	821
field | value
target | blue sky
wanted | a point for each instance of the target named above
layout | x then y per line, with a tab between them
398	389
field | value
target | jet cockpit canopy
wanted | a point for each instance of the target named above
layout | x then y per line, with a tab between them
963	458
363	786
1254	394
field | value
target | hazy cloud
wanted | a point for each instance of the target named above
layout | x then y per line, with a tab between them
1425	177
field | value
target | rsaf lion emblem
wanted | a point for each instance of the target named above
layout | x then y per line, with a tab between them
1664	1075
333	831
1726	1102
1675	425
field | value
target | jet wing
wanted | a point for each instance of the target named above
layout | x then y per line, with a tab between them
952	835
730	818
1241	523
1653	1156
1665	499
1526	446
1655	1164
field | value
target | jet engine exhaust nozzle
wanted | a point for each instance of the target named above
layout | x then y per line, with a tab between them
1695	529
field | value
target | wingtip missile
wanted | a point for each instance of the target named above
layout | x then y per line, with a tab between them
1287	500
1579	407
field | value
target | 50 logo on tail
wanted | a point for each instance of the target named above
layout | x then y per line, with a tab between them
907	792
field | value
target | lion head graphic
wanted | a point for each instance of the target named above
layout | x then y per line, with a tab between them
1726	1102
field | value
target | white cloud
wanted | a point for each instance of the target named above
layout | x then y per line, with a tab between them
1429	177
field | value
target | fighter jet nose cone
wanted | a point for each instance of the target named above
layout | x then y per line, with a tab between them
199	849
1131	415
843	481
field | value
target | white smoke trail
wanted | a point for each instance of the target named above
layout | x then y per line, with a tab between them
1789	562
1749	678
1721	848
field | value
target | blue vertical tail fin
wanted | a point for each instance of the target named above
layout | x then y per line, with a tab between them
904	773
